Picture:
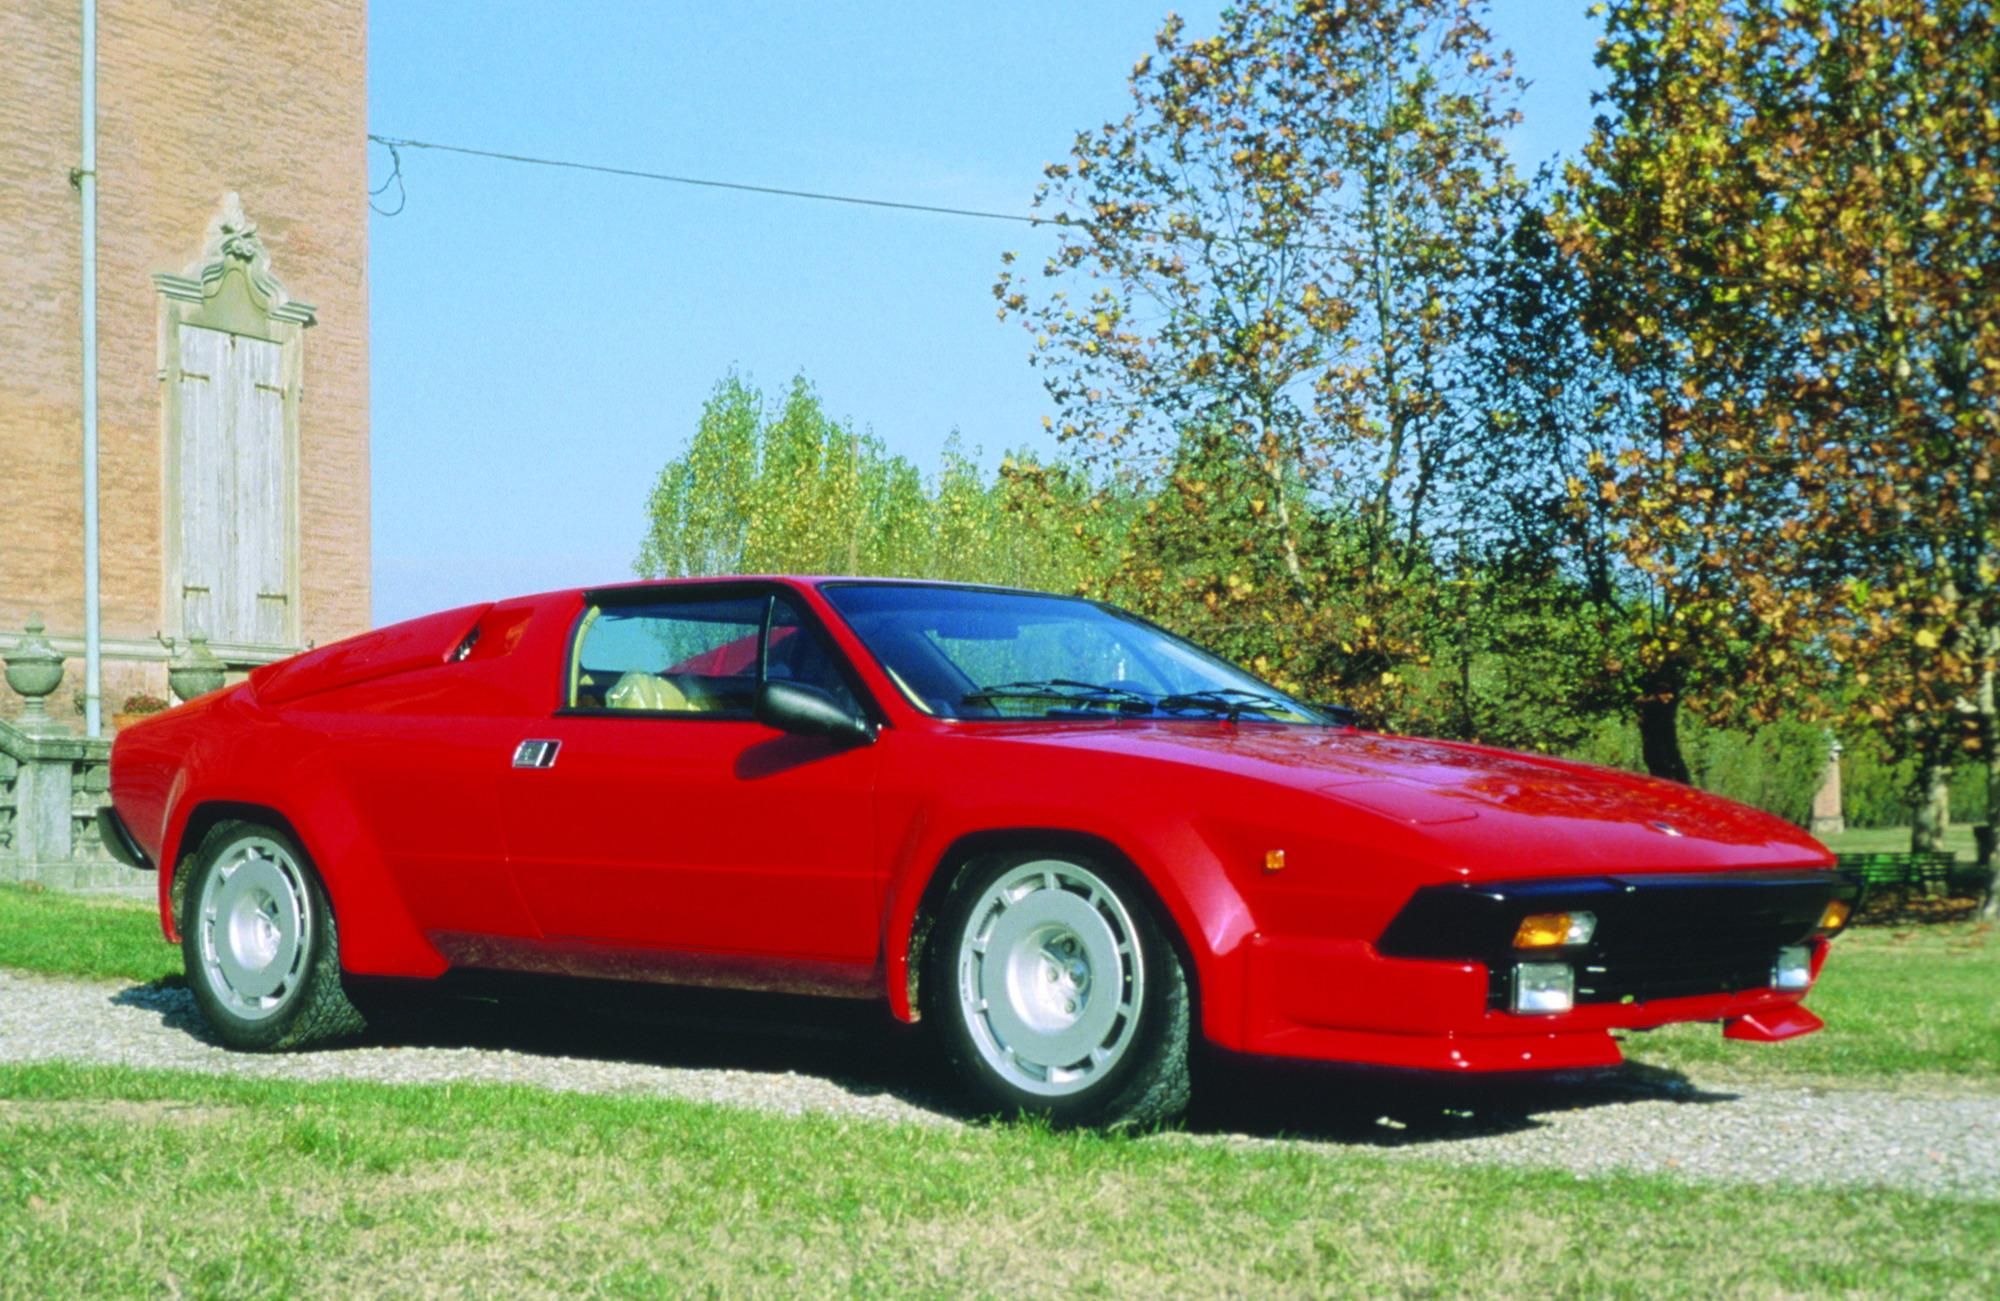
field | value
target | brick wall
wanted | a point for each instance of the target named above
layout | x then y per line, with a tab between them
195	98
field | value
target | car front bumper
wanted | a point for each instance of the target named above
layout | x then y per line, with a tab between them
1430	993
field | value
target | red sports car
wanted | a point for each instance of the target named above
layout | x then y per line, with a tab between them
1066	837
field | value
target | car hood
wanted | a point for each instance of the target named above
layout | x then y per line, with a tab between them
1485	812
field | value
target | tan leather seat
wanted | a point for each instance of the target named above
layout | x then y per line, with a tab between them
647	691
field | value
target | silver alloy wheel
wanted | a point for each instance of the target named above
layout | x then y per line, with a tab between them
255	927
1050	977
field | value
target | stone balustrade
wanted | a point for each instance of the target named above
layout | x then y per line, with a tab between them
51	787
52	783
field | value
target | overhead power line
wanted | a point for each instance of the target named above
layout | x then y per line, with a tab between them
395	179
708	183
396	144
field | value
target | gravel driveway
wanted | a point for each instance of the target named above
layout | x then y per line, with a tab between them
842	1061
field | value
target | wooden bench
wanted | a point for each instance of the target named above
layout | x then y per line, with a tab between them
1892	885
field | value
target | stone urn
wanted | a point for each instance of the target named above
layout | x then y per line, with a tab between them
195	671
34	670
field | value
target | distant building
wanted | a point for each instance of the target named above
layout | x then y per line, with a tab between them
232	298
1829	818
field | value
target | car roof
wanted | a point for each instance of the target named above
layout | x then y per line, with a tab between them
818	580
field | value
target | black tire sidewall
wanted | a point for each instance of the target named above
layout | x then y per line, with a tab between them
235	1031
1103	1101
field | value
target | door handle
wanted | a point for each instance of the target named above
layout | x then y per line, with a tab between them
536	754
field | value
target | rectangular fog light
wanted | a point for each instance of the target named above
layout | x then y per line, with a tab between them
1793	969
1544	987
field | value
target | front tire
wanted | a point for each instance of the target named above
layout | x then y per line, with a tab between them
259	942
1058	993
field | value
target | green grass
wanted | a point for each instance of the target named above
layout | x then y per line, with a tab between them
121	1182
1899	1002
71	935
1896	840
116	1182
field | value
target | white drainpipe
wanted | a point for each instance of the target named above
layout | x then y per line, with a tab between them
86	184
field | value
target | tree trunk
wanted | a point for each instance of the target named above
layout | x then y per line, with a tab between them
1272	459
1990	910
1293	569
1987	712
1933	813
1660	737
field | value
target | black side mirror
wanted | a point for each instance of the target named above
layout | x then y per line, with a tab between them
808	711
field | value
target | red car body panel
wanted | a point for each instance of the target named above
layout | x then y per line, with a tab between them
798	865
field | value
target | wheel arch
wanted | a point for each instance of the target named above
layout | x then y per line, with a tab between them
206	817
378	934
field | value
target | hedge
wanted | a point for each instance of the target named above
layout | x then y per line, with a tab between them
1776	767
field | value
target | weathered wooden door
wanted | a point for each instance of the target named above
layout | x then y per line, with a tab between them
235	500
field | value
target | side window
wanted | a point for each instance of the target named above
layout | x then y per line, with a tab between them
693	656
800	653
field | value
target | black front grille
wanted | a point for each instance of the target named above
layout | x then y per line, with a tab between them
1631	982
1670	936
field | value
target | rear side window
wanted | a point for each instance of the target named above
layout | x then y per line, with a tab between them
696	656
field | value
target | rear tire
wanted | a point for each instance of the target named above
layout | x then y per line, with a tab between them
260	944
1058	993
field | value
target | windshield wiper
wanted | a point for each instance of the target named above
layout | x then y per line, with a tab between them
1066	691
1230	701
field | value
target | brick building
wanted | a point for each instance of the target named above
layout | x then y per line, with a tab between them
232	301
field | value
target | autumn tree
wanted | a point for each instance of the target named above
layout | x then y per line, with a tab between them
1274	251
1788	215
1911	321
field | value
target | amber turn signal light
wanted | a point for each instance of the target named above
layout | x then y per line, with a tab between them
1836	915
1274	860
1554	930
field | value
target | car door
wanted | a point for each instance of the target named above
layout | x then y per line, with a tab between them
653	811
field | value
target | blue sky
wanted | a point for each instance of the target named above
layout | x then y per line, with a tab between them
543	340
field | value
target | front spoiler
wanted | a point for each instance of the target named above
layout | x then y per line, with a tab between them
1461	1036
1773	1026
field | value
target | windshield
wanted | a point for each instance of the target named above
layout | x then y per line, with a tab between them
974	654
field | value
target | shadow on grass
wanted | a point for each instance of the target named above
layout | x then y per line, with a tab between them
857	1047
1383	1108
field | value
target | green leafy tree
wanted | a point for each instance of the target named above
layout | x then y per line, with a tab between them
1566	612
1788	217
1275	248
1704	516
700	507
791	490
784	491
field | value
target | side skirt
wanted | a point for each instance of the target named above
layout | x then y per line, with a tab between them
697	968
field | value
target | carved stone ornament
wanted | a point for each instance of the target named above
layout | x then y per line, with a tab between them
233	244
232	237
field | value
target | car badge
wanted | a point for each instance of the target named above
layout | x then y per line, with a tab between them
1667	827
